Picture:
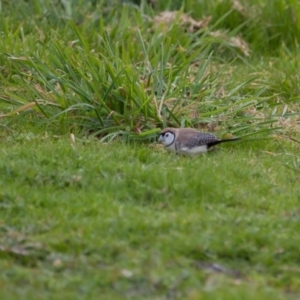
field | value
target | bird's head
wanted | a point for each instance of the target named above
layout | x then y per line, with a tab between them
167	136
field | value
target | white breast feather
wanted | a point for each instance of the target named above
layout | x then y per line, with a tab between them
194	150
171	147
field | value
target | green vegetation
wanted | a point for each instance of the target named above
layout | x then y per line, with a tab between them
108	213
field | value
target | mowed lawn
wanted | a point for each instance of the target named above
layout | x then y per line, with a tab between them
131	221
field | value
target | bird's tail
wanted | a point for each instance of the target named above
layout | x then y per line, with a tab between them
211	144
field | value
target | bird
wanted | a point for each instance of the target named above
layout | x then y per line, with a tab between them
189	140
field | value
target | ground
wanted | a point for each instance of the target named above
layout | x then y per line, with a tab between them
134	221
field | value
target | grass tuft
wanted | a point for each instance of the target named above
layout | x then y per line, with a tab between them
138	73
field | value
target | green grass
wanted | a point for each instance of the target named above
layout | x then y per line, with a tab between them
114	215
121	69
128	221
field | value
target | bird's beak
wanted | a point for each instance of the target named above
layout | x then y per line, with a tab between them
160	139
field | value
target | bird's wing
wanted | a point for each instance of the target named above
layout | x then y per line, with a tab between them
200	139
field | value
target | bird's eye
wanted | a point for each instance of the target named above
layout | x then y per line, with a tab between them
167	134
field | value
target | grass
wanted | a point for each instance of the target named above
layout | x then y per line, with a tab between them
140	223
86	77
111	213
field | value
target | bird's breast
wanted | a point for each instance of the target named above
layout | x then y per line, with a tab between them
194	150
172	147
